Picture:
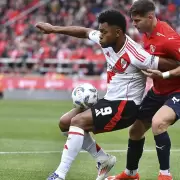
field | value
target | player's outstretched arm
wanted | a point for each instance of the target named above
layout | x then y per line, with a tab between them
149	61
165	75
175	72
75	31
172	48
167	68
166	64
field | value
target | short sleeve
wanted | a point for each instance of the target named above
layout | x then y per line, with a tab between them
143	60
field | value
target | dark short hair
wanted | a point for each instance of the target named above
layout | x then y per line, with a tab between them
142	7
113	17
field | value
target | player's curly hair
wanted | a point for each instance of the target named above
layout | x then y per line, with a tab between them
141	7
113	17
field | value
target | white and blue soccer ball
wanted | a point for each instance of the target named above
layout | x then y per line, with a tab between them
84	96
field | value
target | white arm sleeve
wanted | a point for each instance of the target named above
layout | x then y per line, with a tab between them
144	60
94	36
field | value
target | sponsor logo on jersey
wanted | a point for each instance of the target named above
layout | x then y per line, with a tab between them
159	34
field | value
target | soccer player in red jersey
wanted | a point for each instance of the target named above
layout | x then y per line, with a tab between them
161	106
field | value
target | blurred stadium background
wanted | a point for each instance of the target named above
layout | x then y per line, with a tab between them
35	61
46	68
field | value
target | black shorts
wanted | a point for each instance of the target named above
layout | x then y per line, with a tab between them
113	115
153	102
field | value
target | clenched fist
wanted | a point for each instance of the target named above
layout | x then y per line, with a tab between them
45	27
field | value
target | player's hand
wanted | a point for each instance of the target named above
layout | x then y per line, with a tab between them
44	27
152	73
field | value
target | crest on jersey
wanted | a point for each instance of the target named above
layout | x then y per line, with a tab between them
152	48
123	63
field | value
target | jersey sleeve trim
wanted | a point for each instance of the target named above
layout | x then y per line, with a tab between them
138	56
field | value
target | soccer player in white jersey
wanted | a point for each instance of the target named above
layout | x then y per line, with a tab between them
125	87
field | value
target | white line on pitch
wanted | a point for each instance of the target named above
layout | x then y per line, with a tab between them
53	152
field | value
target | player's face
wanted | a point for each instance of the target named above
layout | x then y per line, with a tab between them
108	36
142	23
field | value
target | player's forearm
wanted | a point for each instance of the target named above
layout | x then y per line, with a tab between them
167	64
175	72
75	31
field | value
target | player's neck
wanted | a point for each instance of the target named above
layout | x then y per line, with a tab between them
119	44
152	27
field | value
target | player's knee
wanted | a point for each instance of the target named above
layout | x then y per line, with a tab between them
135	133
159	126
77	120
80	121
64	123
138	129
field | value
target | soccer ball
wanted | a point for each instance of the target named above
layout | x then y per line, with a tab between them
84	96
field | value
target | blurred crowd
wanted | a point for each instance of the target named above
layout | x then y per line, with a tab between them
20	39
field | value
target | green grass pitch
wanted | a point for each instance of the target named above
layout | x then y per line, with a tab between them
31	144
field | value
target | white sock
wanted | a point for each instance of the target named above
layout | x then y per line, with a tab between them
165	172
94	149
71	149
90	146
131	172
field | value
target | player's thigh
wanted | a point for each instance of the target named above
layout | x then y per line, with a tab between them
138	129
167	114
65	120
173	102
113	115
150	105
83	120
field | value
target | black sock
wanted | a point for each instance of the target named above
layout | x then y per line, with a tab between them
163	146
134	153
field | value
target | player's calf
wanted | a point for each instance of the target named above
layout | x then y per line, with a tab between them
161	121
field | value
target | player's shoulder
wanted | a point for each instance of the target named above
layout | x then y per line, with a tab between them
135	50
166	31
130	42
133	46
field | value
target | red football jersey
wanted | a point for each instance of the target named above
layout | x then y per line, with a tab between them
164	42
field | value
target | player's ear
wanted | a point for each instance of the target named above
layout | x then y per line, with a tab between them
118	32
151	15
